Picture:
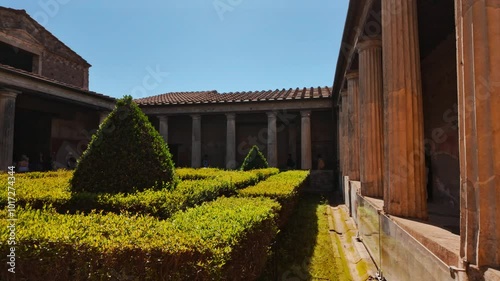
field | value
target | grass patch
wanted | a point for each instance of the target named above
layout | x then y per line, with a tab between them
303	250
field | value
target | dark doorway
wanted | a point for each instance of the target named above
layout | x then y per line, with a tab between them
32	135
439	87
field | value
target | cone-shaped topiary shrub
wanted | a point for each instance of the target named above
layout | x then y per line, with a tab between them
126	154
254	160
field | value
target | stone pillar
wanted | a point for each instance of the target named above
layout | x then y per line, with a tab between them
353	124
163	127
231	141
479	130
371	97
196	141
404	162
344	139
7	118
305	137
272	137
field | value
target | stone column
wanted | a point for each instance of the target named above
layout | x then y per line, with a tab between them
479	130
163	127
404	162
371	97
272	137
344	137
196	141
305	137
353	124
231	141
7	118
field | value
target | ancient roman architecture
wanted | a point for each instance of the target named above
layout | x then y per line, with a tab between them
45	104
411	126
417	98
47	108
223	126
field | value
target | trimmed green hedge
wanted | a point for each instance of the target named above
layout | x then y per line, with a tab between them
283	187
54	190
40	189
227	239
126	154
206	173
254	160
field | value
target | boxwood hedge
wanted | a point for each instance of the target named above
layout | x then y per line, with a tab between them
38	190
227	239
283	187
126	154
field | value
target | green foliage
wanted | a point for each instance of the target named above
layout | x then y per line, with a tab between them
283	187
198	174
126	154
303	249
44	189
254	160
39	189
226	239
280	186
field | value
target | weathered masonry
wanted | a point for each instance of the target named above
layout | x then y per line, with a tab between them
223	127
417	95
45	104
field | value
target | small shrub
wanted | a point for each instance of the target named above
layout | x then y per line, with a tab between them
254	160
126	154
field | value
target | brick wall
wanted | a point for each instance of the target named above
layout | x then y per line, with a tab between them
58	61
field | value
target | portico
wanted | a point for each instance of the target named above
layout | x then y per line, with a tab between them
225	126
416	95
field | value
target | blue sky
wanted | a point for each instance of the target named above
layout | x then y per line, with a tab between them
152	47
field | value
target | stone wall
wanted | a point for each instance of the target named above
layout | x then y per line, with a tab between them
439	83
213	139
322	135
53	59
179	139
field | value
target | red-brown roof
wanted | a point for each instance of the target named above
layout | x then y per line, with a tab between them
234	97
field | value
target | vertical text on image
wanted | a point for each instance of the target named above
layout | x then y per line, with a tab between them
11	219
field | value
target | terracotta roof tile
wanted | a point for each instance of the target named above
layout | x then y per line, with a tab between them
213	96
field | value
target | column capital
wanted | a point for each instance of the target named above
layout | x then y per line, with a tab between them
305	113
230	116
195	116
9	93
271	114
343	93
162	117
369	44
352	75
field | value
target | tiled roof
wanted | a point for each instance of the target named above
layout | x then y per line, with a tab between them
52	81
204	97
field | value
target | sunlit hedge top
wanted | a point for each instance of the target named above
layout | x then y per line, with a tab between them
126	154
